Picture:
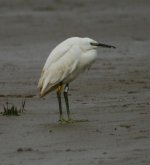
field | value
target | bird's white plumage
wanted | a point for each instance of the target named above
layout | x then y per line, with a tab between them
66	61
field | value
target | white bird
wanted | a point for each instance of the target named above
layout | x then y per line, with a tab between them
64	64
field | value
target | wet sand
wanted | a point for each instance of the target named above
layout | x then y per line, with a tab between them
112	98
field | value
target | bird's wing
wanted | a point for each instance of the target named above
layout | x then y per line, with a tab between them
58	67
55	55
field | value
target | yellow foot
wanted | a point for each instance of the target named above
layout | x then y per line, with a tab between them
70	120
62	121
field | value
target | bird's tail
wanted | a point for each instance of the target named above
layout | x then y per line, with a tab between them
45	91
44	86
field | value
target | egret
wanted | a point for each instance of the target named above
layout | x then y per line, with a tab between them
64	64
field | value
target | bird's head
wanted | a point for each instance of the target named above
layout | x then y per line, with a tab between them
88	43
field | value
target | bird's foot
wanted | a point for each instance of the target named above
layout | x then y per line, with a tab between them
70	120
62	120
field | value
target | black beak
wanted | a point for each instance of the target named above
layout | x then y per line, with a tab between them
103	45
106	46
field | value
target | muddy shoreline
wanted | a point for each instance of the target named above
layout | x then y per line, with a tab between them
112	98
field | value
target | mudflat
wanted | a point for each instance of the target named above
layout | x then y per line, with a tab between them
110	102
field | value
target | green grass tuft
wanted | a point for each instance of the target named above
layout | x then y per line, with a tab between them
10	109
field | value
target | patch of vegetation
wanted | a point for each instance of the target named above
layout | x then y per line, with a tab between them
9	109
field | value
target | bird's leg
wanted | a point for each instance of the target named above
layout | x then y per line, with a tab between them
67	102
59	90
